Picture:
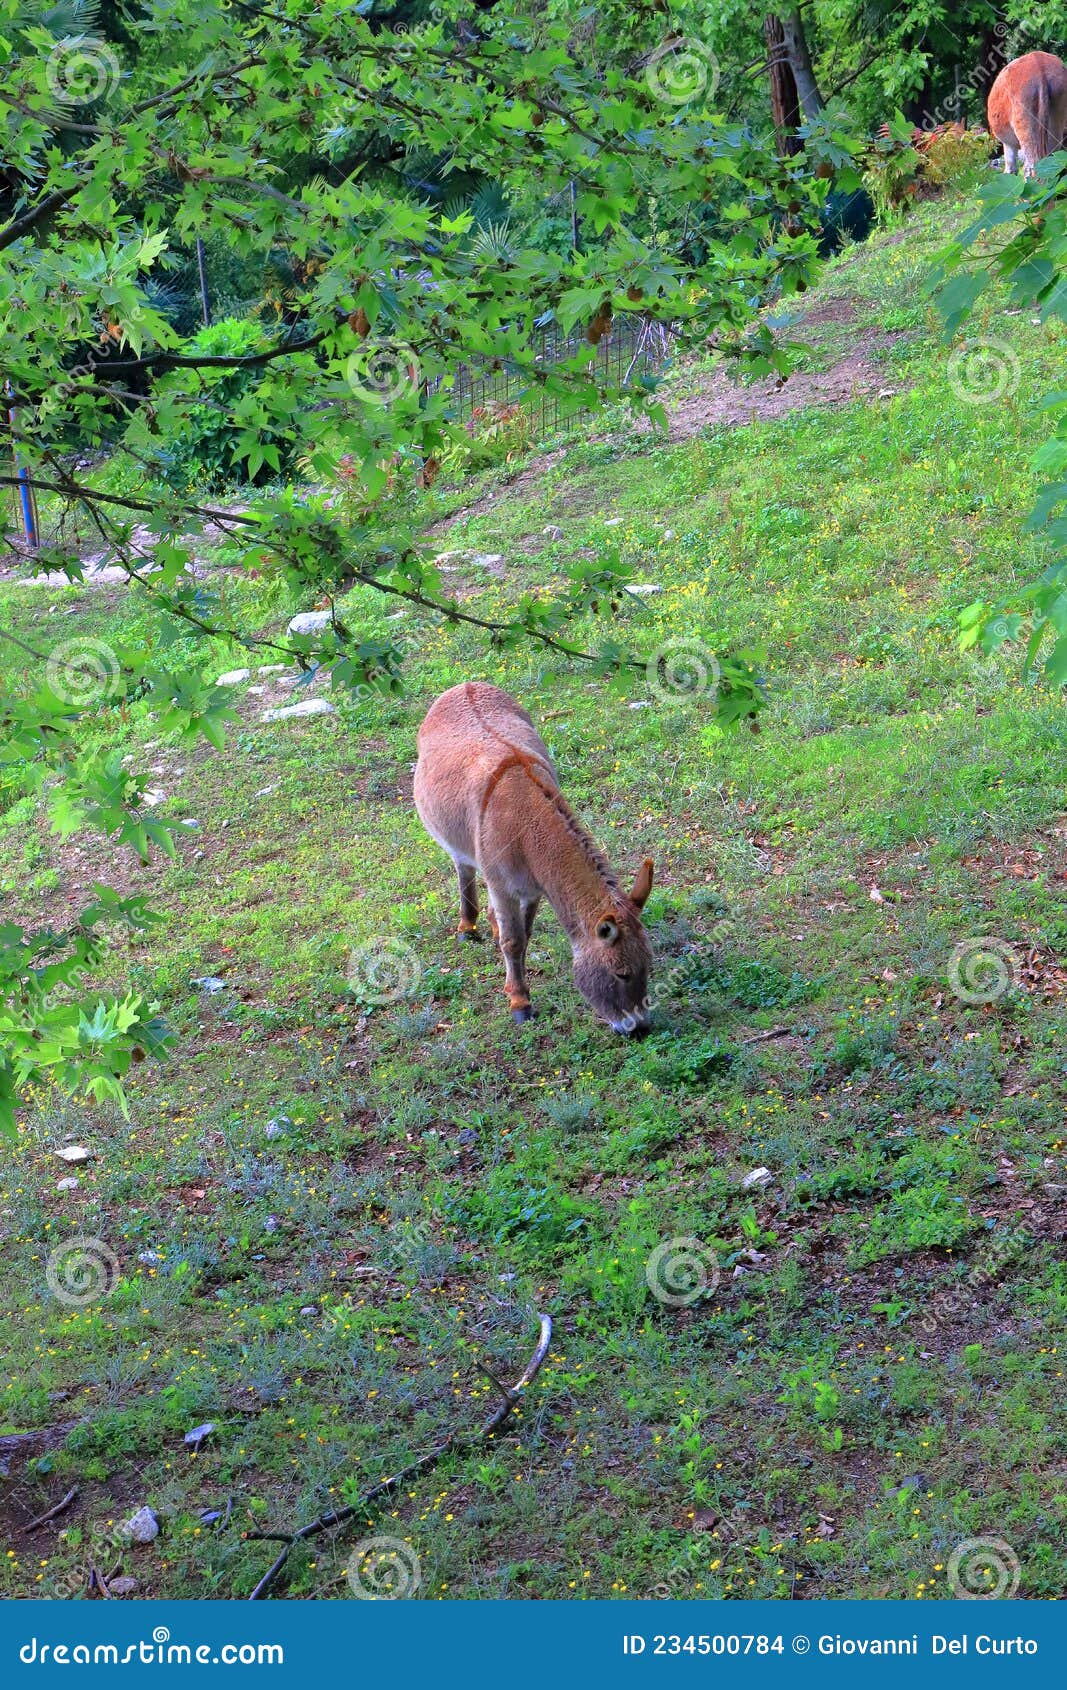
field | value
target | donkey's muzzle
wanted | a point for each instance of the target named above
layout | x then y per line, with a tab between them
636	1026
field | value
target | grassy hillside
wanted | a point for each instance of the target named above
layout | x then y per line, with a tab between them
328	1215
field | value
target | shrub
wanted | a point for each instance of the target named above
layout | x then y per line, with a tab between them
222	413
954	153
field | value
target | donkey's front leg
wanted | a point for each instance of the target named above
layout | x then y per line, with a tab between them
509	927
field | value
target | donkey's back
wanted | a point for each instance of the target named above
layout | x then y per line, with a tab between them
463	737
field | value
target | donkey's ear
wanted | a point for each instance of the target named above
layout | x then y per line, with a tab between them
643	884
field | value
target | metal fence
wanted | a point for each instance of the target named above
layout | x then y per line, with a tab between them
635	346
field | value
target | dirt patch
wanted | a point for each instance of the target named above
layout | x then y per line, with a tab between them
836	310
518	484
721	403
22	1502
101	569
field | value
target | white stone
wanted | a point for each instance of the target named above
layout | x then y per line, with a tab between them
613	522
310	622
552	531
234	677
74	1153
142	1527
68	1184
758	1177
306	707
271	669
643	589
487	560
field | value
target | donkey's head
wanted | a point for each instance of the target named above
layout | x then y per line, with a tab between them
613	959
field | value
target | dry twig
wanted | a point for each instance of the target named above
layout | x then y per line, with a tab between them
511	1396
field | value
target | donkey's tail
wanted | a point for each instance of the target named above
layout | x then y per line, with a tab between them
1046	140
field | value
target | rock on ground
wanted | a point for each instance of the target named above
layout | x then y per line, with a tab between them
310	622
306	707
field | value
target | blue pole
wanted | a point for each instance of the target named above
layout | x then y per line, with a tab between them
29	515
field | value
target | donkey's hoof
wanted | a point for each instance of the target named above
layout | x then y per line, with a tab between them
525	1012
469	935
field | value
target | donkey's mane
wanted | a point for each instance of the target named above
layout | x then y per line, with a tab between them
518	759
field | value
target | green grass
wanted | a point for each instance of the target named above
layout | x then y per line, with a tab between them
877	1374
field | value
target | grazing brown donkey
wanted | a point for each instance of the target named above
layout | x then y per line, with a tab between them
1028	109
486	790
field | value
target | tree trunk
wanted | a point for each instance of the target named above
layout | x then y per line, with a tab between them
785	102
796	45
991	61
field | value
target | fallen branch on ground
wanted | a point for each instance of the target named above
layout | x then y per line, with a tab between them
43	1519
511	1395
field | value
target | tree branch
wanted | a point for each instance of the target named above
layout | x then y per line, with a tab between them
30	219
512	1396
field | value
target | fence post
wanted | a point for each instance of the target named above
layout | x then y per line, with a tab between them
27	499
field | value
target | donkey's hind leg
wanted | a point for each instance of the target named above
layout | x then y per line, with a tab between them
468	902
